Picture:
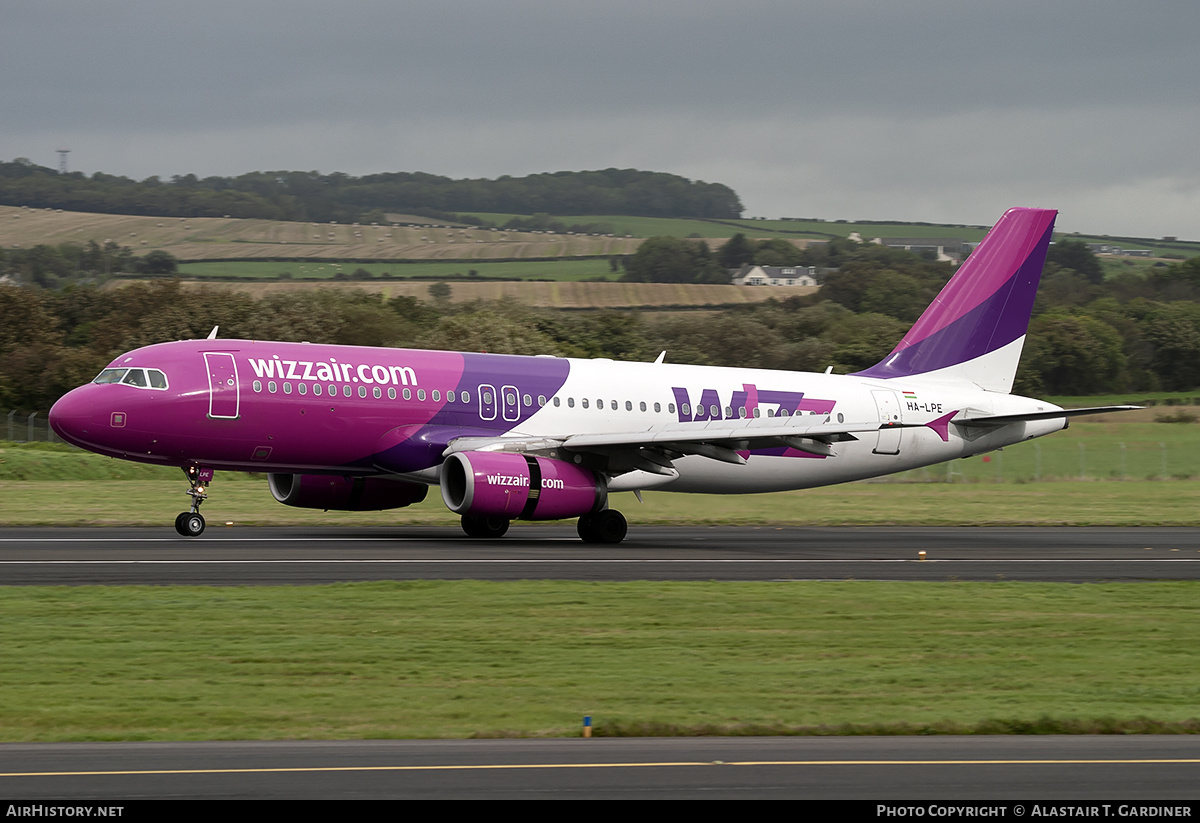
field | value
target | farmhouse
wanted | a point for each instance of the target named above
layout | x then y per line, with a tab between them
774	276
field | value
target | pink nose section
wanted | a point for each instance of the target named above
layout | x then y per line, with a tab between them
71	416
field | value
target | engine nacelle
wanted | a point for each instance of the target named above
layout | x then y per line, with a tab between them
517	486
348	494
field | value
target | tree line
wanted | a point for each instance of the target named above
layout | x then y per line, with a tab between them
1089	334
312	196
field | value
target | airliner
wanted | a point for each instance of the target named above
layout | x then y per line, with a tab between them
508	437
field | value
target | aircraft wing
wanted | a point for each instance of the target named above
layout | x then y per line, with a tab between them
652	449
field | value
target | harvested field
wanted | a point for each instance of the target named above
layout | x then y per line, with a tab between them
557	295
215	238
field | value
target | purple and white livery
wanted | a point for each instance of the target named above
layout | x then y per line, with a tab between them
544	438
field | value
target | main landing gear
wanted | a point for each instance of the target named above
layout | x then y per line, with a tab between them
191	523
607	526
484	526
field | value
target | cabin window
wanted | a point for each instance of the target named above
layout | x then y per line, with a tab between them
450	396
756	411
362	391
528	401
391	393
557	402
657	407
541	400
347	391
408	394
629	405
687	408
377	392
841	418
713	411
570	402
670	408
437	396
258	385
642	405
466	397
583	402
332	390
302	388
287	388
421	395
741	411
271	386
317	389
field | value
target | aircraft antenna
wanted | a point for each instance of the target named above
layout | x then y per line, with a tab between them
212	335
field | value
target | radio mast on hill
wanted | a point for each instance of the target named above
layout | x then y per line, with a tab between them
62	160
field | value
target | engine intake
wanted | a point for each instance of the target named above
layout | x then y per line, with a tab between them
517	486
348	494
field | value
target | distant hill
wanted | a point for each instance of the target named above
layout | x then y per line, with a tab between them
301	196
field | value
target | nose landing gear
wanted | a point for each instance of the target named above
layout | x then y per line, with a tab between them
191	523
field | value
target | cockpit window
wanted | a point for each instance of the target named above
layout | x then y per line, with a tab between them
110	376
139	378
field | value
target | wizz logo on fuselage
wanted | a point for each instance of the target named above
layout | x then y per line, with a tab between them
745	403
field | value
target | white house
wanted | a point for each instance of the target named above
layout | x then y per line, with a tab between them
774	276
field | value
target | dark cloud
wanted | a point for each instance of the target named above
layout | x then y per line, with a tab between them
910	110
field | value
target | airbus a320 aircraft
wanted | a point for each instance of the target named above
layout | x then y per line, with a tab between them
546	438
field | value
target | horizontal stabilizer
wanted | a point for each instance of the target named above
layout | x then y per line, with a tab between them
1004	419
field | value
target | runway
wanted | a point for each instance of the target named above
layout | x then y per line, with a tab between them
1141	771
283	556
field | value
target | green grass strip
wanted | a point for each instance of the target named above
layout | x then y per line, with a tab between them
468	658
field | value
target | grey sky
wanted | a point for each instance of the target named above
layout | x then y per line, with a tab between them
937	110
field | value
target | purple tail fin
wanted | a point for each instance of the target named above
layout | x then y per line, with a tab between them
974	330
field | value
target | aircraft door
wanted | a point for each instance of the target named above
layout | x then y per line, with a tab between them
887	403
224	401
487	402
511	400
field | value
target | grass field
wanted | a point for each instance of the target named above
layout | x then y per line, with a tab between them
1101	471
458	659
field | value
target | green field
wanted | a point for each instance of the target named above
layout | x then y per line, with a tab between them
459	659
1094	473
568	270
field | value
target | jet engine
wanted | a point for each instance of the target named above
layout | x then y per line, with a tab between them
517	486
352	494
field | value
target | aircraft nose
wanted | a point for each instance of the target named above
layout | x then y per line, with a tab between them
71	416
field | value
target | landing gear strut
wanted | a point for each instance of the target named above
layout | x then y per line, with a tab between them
484	526
607	526
191	523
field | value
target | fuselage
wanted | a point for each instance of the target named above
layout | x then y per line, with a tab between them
311	408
